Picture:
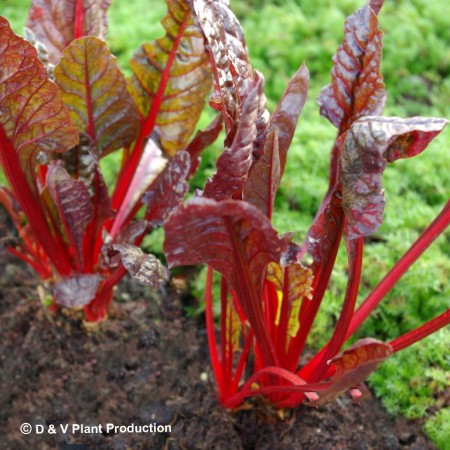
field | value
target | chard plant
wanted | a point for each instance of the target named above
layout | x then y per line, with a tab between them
64	105
271	288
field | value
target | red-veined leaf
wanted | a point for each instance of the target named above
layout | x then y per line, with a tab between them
172	78
168	190
234	163
285	117
369	145
95	92
235	239
76	291
33	121
264	177
229	58
353	366
144	268
56	23
74	204
32	114
357	87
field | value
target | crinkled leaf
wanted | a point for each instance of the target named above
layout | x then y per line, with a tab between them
56	23
81	161
73	202
231	236
144	268
325	231
375	5
354	366
369	145
234	163
33	117
229	57
285	117
172	78
235	239
76	291
95	92
168	190
264	177
357	87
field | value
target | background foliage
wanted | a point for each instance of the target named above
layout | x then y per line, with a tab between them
281	34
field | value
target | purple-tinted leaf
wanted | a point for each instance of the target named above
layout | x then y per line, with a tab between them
231	236
229	58
95	92
285	117
369	145
235	239
76	291
354	366
74	205
56	23
357	87
264	177
151	164
168	189
326	230
234	163
33	117
172	78
375	5
203	139
144	268
132	231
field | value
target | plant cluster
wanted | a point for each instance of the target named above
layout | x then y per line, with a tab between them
271	288
64	105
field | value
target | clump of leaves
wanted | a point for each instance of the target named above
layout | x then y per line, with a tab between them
64	105
272	288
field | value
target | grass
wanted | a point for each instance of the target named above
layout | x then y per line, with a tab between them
281	35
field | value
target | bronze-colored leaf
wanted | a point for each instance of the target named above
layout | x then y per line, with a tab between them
357	87
172	79
369	145
95	92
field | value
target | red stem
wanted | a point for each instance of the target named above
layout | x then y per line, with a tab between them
430	234
439	224
79	20
32	206
355	256
212	345
421	332
130	166
297	344
252	304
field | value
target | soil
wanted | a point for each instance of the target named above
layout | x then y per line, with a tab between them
148	364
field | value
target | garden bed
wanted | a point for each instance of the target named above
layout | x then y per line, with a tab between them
148	364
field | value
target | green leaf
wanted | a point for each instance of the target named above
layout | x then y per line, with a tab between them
95	92
172	78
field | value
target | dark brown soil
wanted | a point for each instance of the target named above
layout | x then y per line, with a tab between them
148	364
